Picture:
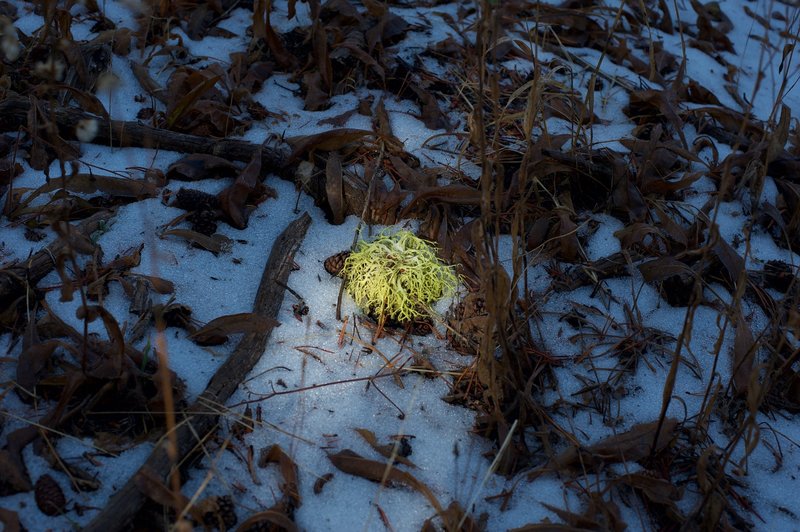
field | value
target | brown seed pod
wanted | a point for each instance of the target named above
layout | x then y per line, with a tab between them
49	496
221	512
204	222
227	511
335	263
190	199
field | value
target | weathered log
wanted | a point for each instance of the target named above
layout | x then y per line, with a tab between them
274	158
14	110
197	423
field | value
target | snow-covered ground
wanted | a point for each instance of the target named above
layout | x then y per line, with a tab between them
320	380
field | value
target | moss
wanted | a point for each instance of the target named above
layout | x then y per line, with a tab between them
397	276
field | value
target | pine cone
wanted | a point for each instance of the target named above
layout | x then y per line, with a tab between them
262	526
189	199
227	511
49	496
222	514
204	222
335	263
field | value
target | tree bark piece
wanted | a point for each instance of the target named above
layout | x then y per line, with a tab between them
197	423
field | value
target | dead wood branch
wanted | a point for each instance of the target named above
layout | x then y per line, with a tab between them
14	110
197	423
275	158
15	277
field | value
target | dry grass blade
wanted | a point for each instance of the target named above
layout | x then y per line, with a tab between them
744	355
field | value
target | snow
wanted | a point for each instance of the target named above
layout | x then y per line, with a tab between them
315	391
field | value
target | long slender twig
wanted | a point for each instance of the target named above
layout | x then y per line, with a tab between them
126	502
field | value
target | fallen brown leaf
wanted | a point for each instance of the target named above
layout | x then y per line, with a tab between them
354	464
217	330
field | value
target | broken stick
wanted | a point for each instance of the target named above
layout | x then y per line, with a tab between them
14	110
15	278
197	423
274	158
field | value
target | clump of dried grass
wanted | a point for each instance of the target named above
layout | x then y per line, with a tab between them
533	189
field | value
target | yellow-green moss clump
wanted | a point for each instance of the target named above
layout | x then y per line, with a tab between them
397	276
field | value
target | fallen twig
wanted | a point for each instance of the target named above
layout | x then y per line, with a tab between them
196	424
14	278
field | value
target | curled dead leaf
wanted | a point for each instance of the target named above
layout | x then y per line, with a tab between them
264	520
288	468
321	481
13	475
238	200
199	166
32	363
390	450
331	140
